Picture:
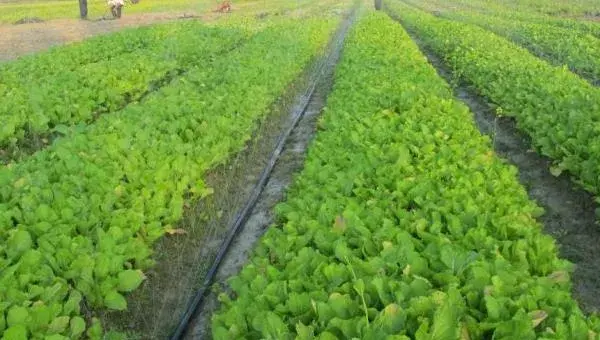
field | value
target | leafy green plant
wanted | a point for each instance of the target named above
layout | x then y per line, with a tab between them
60	59
78	219
559	45
558	109
514	11
79	93
403	223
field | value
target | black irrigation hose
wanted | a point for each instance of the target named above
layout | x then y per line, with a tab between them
243	215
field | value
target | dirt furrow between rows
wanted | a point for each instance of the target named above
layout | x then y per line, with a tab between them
262	215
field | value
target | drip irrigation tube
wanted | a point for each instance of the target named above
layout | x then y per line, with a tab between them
242	216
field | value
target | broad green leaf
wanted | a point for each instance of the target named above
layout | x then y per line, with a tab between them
77	326
446	324
16	332
17	315
94	332
116	301
73	303
129	280
19	242
304	332
59	324
537	317
40	316
56	337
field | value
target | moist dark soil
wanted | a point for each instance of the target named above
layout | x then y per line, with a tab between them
570	211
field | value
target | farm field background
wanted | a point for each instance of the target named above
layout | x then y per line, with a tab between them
17	40
411	208
12	11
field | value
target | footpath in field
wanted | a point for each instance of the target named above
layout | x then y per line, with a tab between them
555	107
23	39
569	210
20	40
403	222
79	218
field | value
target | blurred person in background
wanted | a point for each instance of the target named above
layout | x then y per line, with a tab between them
115	7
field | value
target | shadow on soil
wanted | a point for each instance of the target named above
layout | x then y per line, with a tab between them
570	211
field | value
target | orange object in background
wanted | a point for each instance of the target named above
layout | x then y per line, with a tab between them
225	6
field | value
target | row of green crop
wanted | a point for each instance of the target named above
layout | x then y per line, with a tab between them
403	223
510	13
78	219
37	106
547	8
573	7
586	27
68	57
59	59
558	109
76	92
560	45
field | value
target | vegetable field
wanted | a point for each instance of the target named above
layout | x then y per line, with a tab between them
404	221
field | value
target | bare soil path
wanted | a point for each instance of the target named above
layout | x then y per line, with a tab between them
19	40
22	39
